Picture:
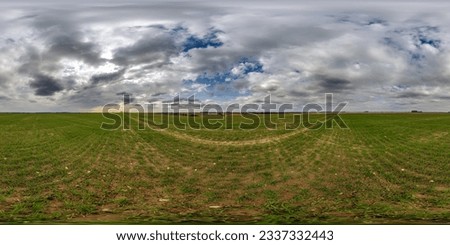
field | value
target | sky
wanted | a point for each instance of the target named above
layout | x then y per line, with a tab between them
78	56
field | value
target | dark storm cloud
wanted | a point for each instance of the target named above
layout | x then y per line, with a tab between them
107	77
64	37
123	93
410	94
4	98
70	47
45	85
332	84
148	50
297	93
158	94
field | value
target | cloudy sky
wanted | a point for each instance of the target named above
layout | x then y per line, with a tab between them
78	56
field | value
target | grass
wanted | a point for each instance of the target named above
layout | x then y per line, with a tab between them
387	168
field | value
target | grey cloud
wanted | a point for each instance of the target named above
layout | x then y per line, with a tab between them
107	77
30	16
152	100
158	94
127	98
360	20
32	63
240	84
68	46
90	98
62	32
184	103
2	97
148	50
123	93
411	94
45	85
177	100
3	81
297	93
332	84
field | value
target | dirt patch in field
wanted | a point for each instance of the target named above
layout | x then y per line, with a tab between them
11	200
420	196
442	188
55	206
103	217
15	197
231	143
432	137
193	139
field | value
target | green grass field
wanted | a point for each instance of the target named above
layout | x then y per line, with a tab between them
387	168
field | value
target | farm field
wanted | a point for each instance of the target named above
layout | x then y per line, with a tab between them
386	168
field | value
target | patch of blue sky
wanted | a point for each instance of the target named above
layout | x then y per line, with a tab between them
240	70
435	43
221	84
209	40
